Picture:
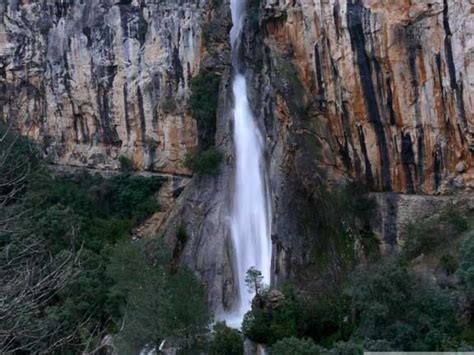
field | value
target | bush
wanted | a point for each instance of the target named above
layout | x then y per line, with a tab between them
126	164
429	236
168	105
268	326
295	346
205	162
226	341
202	105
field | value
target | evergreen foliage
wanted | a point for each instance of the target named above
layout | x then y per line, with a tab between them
226	341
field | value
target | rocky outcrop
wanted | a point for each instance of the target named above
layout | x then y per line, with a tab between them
98	79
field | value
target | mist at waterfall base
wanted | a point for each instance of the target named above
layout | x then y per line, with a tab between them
250	227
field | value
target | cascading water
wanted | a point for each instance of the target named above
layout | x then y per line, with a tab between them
250	219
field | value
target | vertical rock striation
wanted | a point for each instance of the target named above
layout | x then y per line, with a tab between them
387	87
93	80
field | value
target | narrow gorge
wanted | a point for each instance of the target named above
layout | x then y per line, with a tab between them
305	138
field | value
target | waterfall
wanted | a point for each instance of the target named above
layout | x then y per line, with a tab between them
250	219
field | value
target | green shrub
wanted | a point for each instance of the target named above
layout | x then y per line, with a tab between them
168	105
202	105
430	235
205	162
226	341
392	305
126	164
267	326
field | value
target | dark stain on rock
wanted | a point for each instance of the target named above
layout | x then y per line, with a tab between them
440	80
319	76
337	20
125	108
408	161
108	134
142	27
369	178
106	76
178	68
344	153
421	154
355	17
391	111
141	114
413	49
87	32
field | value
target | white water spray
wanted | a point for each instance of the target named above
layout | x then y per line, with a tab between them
250	220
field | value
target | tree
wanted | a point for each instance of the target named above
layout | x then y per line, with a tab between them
226	341
31	276
392	305
158	305
466	266
254	281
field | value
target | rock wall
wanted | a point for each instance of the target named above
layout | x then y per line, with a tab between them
93	80
385	87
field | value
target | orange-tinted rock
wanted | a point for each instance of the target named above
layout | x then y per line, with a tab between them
394	82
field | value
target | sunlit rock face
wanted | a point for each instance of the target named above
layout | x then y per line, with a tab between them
385	89
93	80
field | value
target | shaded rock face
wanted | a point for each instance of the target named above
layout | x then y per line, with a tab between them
93	80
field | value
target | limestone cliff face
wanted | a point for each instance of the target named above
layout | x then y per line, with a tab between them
93	80
385	88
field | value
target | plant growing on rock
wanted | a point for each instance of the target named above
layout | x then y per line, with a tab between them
205	162
254	281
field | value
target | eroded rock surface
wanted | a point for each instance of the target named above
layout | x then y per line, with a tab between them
93	80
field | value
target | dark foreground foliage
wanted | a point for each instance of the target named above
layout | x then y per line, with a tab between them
70	274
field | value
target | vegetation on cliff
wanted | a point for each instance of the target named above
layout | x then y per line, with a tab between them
202	104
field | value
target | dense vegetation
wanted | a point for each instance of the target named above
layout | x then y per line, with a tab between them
202	104
383	305
70	273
